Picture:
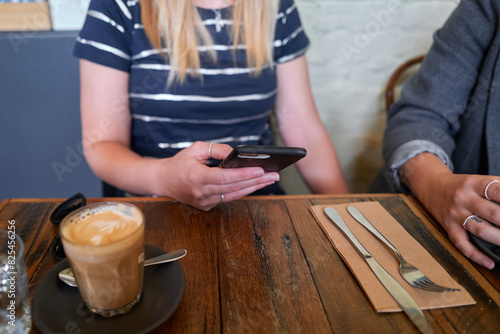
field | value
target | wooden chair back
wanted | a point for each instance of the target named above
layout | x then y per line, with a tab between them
391	84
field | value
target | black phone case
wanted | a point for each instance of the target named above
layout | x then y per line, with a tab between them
270	158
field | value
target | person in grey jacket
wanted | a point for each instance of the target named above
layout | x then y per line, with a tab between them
442	141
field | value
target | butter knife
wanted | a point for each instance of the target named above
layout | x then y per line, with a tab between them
409	272
404	300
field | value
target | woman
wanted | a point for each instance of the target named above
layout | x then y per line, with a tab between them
442	136
169	84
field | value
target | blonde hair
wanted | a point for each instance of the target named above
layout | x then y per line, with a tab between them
178	24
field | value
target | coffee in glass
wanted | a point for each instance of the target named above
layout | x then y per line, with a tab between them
104	244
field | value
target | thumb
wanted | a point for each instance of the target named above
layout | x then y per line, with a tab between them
218	151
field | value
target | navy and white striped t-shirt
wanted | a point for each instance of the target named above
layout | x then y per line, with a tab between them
226	106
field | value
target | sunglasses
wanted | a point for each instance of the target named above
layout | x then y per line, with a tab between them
56	217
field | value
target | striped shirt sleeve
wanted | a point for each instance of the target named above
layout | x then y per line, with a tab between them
106	33
291	40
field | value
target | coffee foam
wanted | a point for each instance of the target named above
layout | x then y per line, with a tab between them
102	225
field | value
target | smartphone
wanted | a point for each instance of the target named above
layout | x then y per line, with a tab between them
270	158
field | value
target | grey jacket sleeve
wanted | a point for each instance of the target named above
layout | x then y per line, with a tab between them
435	99
404	153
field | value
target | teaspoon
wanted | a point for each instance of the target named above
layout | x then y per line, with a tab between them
67	276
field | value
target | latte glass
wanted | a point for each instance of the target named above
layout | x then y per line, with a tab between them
104	244
15	316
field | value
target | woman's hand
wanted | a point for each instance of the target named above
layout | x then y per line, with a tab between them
186	178
451	198
106	126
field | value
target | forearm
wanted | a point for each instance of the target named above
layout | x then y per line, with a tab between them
322	172
301	126
321	168
118	165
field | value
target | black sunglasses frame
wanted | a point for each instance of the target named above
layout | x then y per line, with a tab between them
62	210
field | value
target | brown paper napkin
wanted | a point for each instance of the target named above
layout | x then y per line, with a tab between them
411	250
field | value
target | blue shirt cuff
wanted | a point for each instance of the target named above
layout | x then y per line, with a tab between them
406	152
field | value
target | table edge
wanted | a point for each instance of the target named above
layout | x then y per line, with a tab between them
441	236
161	199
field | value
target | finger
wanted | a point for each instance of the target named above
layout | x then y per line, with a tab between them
211	201
214	189
461	240
487	210
228	176
235	190
480	185
492	190
484	230
235	195
218	151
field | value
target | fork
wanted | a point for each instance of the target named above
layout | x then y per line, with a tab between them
410	273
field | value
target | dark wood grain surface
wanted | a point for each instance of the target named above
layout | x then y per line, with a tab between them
263	265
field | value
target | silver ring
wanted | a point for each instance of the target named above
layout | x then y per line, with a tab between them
486	189
222	198
467	219
210	151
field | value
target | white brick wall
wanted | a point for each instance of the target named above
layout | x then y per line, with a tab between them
356	45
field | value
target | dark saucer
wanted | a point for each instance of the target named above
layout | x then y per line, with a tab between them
58	308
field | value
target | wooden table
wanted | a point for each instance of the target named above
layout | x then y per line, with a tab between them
263	265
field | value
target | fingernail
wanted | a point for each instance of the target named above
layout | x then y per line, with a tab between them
258	173
274	177
488	264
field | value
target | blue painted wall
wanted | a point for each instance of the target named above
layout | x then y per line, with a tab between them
40	136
